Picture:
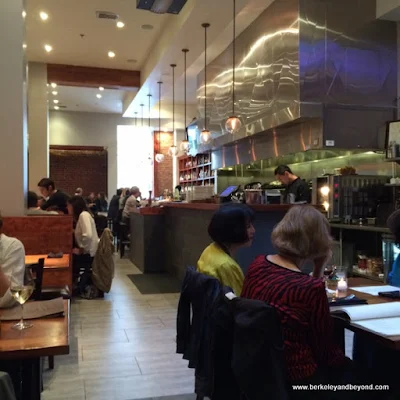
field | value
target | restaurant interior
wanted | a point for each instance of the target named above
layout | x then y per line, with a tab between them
186	177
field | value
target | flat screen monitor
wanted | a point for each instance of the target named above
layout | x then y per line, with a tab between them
228	191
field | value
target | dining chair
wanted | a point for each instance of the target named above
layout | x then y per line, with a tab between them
123	238
37	271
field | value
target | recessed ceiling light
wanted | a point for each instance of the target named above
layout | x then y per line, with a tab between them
54	93
24	46
147	27
48	48
101	88
56	107
23	14
111	54
44	16
131	60
53	85
120	24
98	95
55	101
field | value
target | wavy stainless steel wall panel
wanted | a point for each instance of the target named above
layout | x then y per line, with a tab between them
299	57
267	74
346	55
275	143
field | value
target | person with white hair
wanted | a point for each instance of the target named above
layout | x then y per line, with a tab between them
132	203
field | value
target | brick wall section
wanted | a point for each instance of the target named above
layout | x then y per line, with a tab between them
87	169
163	172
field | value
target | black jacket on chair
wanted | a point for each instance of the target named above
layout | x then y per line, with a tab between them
257	360
193	334
235	346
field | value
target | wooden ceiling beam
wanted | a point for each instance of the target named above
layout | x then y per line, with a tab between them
70	75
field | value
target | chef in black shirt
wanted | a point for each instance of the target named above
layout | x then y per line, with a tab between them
297	190
56	199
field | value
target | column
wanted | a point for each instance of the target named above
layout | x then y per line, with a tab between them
38	127
13	137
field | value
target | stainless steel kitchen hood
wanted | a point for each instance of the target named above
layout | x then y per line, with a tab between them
311	74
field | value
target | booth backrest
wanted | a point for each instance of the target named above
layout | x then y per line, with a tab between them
41	234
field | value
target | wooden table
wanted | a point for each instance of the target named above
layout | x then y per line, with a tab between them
21	352
57	271
392	342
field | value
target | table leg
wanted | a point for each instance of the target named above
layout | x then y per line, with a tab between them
338	332
31	379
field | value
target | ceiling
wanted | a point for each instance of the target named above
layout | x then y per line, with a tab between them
388	9
154	50
69	19
85	100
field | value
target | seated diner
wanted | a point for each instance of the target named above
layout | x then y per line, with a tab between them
312	356
231	228
56	200
34	208
12	267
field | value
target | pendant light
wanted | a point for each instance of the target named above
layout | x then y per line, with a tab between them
233	123
205	135
173	150
159	156
185	145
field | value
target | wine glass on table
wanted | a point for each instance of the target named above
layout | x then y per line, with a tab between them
21	294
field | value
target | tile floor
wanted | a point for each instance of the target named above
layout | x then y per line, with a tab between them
122	348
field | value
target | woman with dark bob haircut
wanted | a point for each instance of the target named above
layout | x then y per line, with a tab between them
231	228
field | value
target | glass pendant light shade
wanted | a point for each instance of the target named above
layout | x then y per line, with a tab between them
173	151
233	125
185	146
160	158
205	136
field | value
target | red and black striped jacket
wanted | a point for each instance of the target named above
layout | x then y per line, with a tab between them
303	308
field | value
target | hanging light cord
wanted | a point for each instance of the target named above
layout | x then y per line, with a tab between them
159	116
135	118
234	57
149	95
185	51
205	26
142	105
173	99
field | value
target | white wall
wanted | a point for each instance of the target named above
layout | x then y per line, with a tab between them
89	129
93	129
38	124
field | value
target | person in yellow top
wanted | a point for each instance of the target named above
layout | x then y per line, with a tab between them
231	228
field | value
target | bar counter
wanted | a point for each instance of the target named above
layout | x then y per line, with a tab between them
172	237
